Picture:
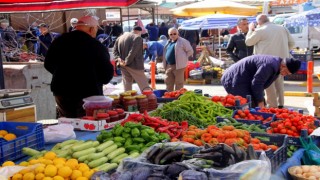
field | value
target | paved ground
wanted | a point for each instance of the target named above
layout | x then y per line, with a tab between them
296	102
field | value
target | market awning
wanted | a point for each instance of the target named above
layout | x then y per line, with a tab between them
19	6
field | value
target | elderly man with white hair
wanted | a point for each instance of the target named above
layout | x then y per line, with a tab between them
271	39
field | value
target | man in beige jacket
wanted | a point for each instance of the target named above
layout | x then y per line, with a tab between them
271	39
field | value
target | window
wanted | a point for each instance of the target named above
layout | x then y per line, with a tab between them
295	29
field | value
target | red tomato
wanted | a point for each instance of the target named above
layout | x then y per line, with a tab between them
283	131
215	98
246	111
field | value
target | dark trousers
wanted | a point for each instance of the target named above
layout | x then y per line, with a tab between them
70	107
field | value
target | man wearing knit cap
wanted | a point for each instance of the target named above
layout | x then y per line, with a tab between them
79	65
128	52
253	74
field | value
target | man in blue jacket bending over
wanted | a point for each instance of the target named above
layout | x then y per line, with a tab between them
153	50
253	74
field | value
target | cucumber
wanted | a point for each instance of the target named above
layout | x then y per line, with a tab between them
95	143
97	162
107	167
63	154
119	158
133	155
116	153
83	158
56	147
68	146
29	151
83	146
104	145
94	156
110	149
84	152
70	141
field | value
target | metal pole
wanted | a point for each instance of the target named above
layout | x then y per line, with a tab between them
1	71
128	20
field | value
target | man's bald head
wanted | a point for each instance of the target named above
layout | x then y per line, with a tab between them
262	18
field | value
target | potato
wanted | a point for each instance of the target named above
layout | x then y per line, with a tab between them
317	174
313	169
312	177
297	170
305	169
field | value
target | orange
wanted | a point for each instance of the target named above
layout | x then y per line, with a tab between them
10	137
3	132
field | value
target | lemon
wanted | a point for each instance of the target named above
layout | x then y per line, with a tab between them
40	176
59	166
17	176
28	176
83	167
65	171
24	163
75	174
88	174
39	169
50	170
25	171
72	163
59	161
47	178
50	155
82	178
47	161
33	161
58	178
8	163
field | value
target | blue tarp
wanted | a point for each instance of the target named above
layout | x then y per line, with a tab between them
308	18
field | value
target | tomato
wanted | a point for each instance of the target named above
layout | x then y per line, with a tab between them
283	131
246	111
310	131
215	98
230	101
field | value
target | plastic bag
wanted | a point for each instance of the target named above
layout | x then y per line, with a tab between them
8	171
246	170
58	133
311	155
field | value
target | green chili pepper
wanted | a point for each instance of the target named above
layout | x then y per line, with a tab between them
138	140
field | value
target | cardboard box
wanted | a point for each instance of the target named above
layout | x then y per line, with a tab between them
89	125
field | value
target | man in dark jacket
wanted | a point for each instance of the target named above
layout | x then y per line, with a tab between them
163	30
153	31
79	65
193	37
45	39
253	74
237	48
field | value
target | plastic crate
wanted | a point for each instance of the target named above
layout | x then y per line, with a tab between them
28	135
160	99
280	155
296	77
264	115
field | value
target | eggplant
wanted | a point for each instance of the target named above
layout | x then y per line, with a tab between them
227	149
252	153
239	156
207	146
175	169
160	155
218	147
231	160
245	156
151	154
141	173
210	149
215	156
171	156
192	175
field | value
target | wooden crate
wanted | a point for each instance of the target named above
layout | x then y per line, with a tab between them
195	81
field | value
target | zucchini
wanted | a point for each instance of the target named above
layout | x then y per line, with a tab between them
83	158
29	151
116	153
68	146
95	143
97	162
94	156
67	142
56	147
63	154
110	149
119	158
134	155
108	167
83	146
83	152
104	145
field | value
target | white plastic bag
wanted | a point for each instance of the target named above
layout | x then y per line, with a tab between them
58	133
8	171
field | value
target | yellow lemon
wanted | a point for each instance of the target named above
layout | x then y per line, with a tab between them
59	161
75	174
82	178
50	170
25	171
8	163
65	171
28	176
40	176
24	163
47	178
17	176
58	178
3	132
72	163
9	137
59	166
39	169
33	161
88	174
83	168
48	161
50	155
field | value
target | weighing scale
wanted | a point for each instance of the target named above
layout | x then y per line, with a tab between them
16	105
11	98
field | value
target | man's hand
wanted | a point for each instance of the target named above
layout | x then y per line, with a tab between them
252	26
122	63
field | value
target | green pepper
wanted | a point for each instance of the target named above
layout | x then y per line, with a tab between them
154	138
127	130
126	135
145	135
150	131
138	140
119	139
132	125
133	148
145	127
128	142
141	145
108	139
100	138
119	144
150	144
135	132
164	136
119	131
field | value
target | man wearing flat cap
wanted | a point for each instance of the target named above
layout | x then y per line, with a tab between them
253	74
45	39
128	52
79	65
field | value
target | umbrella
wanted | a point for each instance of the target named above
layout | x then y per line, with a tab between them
213	7
215	21
308	18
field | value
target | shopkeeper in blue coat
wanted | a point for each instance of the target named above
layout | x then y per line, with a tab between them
253	74
153	50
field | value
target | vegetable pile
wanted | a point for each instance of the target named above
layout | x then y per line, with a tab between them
239	125
197	110
247	115
161	155
229	100
173	129
174	94
280	113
